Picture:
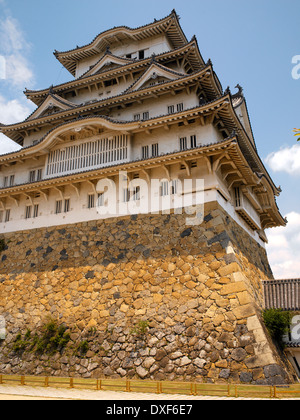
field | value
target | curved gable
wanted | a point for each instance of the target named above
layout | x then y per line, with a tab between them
53	103
154	73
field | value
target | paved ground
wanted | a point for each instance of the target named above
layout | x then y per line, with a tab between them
8	392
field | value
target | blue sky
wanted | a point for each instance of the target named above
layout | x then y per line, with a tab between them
249	42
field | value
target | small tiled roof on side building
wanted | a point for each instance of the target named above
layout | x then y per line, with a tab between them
282	294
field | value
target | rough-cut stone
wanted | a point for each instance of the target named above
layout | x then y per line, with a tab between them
146	296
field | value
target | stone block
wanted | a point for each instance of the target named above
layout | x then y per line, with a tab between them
229	269
233	288
243	312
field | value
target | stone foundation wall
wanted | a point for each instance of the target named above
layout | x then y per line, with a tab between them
144	296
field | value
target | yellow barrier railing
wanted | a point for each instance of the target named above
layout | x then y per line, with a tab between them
156	387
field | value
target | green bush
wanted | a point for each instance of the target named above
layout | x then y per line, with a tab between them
82	347
51	339
140	328
278	323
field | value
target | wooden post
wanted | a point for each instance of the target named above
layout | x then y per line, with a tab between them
22	380
46	382
1	379
228	390
236	392
71	383
128	386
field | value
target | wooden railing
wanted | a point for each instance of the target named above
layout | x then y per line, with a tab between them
156	387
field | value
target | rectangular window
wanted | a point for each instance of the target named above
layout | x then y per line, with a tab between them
91	201
146	115
179	107
11	180
35	211
237	196
136	193
7	215
28	212
155	150
39	174
193	142
141	54
126	195
171	109
174	186
164	188
137	117
78	157
5	182
67	205
58	207
100	202
183	143
145	152
32	176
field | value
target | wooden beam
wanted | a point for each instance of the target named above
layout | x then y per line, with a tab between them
167	171
2	205
147	174
16	201
28	196
76	188
44	194
209	163
187	167
93	186
60	191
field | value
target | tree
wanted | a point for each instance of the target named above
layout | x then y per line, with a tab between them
297	133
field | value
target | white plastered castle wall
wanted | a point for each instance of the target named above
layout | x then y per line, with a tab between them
156	45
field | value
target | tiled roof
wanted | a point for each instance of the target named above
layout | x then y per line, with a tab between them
292	344
282	294
169	25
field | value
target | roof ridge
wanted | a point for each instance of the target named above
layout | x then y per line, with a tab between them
172	14
158	56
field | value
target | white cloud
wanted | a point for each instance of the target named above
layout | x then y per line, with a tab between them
286	159
14	49
11	111
7	145
284	248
